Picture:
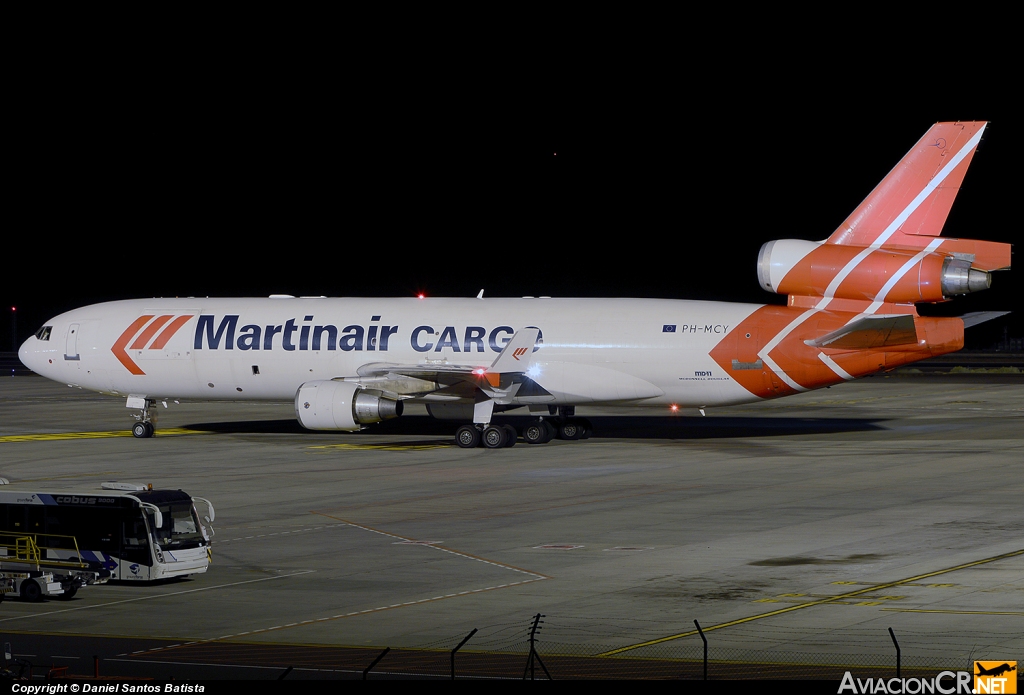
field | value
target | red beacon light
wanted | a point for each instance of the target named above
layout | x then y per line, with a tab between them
421	296
674	408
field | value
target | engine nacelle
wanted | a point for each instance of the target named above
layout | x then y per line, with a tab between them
795	266
341	405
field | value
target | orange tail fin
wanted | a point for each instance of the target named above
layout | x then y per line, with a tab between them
914	199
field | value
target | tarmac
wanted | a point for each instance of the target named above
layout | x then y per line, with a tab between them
798	529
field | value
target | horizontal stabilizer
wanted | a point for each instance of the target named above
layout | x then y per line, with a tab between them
870	332
976	317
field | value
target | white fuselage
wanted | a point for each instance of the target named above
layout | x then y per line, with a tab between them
593	351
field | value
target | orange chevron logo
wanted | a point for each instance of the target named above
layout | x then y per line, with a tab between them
519	352
143	338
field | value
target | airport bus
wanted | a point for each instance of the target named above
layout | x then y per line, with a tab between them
134	533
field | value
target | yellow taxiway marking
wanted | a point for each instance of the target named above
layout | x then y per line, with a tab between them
810	604
382	447
58	436
938	610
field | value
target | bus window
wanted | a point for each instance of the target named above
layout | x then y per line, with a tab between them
181	528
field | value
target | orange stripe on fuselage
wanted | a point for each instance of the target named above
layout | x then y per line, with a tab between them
169	332
118	347
151	329
801	362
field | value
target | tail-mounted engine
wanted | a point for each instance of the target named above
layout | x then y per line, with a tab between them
341	405
797	267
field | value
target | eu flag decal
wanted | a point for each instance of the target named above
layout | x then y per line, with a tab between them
668	328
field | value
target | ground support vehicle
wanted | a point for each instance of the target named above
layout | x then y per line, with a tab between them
136	535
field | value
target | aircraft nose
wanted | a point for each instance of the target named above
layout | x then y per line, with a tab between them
25	354
31	355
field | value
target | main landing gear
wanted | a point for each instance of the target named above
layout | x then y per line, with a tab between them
490	436
146	425
540	431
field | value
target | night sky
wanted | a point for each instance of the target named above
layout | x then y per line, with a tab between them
251	181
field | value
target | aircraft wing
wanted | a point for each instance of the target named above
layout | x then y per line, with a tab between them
496	379
870	332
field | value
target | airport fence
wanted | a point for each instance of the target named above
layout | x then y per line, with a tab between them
520	651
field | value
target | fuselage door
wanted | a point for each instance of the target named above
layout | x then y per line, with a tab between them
71	344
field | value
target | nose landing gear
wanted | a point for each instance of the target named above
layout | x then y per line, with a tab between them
146	425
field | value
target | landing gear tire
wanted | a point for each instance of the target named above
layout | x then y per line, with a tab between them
140	430
550	432
570	429
513	436
467	437
30	591
150	429
495	437
587	428
536	433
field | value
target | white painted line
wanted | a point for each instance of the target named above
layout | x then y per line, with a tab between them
779	337
33	616
831	364
898	275
279	533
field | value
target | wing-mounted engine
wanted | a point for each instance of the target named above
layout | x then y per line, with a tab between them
341	405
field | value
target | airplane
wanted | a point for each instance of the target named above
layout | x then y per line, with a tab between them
350	362
995	671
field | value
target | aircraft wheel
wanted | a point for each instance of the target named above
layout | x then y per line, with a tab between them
587	428
549	430
536	433
467	437
30	591
140	430
495	437
150	429
570	429
513	436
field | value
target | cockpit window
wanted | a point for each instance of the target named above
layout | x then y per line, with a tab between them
44	333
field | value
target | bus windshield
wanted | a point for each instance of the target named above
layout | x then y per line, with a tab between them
181	528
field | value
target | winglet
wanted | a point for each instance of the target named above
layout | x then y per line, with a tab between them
517	353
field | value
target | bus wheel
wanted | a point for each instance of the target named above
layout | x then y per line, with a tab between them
30	591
